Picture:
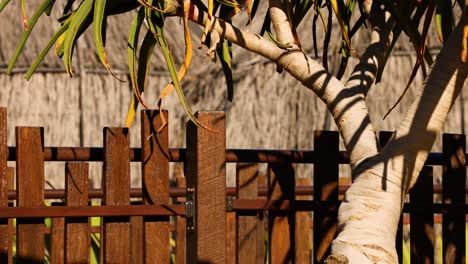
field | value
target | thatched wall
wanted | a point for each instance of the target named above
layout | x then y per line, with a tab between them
270	110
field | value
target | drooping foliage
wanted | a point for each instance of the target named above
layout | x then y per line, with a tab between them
413	18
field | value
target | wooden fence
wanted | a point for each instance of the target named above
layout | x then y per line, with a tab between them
263	218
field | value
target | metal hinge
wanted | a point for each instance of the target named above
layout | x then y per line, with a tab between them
190	209
229	200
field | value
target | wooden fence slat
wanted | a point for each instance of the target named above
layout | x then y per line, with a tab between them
384	137
206	174
281	225
77	237
11	226
453	192
231	241
116	185
155	180
4	230
261	225
422	222
247	184
303	227
181	227
57	238
137	231
30	187
326	171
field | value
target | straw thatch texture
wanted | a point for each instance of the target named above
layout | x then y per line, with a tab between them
270	110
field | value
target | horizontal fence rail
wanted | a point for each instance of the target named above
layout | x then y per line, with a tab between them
270	156
265	216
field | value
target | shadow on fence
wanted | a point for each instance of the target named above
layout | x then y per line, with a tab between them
263	218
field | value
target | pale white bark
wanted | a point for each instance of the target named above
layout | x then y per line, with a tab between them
369	214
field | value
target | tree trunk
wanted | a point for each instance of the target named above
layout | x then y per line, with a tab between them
369	215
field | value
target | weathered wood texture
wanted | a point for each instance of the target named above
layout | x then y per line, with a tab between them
30	187
247	184
422	222
57	243
303	227
281	225
4	184
231	234
77	237
11	225
155	173
453	192
137	233
325	190
206	158
181	227
262	226
116	183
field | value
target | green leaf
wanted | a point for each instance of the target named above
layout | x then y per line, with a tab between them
301	10
24	37
443	19
46	50
98	23
146	50
77	22
3	4
158	25
224	54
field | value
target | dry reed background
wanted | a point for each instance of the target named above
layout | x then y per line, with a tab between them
270	110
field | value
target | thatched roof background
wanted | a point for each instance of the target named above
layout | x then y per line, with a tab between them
270	110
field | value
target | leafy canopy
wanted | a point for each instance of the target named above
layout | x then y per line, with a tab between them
149	15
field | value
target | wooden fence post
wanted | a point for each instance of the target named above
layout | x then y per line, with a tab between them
155	180
326	169
247	187
261	225
137	234
422	222
77	237
57	239
116	185
384	137
30	186
453	192
206	178
4	230
303	227
281	225
181	227
11	226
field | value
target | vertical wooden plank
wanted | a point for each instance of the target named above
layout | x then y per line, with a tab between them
77	237
261	226
384	137
206	176
137	234
453	192
30	187
247	187
422	222
57	244
155	173
303	227
181	227
116	185
11	226
4	184
281	225
231	241
326	168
